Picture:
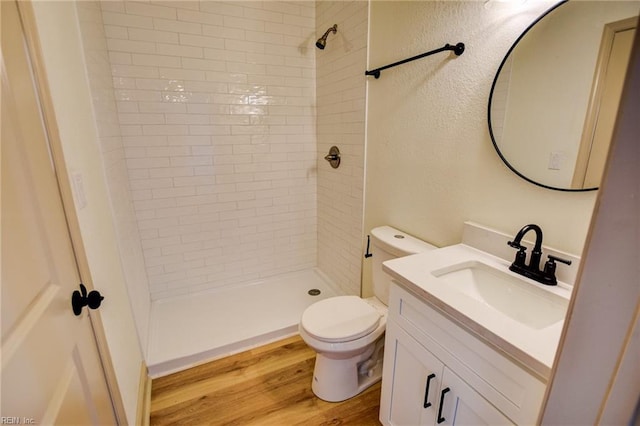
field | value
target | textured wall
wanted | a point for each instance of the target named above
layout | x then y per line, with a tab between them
430	162
340	91
216	106
104	105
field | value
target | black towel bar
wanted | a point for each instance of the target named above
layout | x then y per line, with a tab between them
458	49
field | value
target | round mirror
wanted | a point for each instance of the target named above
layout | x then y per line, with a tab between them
554	99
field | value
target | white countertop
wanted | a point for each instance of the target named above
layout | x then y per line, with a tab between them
533	345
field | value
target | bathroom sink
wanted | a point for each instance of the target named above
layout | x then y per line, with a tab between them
505	292
518	315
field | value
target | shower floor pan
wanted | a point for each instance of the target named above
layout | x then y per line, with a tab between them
191	329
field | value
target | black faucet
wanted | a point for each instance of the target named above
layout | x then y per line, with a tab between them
532	270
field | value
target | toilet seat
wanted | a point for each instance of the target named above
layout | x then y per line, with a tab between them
340	319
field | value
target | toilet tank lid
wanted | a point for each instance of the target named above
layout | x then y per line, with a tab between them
397	242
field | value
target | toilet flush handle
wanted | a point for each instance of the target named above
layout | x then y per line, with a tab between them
368	253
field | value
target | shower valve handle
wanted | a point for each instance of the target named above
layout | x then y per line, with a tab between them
333	157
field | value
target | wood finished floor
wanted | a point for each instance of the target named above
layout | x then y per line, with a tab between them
269	385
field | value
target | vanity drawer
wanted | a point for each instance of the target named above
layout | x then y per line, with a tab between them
501	381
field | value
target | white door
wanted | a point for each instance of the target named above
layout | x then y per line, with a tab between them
613	83
50	370
610	72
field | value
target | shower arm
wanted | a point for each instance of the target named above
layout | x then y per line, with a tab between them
458	49
333	29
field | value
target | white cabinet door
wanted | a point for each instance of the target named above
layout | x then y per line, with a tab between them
411	395
461	405
418	389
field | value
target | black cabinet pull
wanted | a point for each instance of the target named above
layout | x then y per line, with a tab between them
440	418
427	404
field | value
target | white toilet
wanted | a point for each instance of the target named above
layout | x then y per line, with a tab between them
347	332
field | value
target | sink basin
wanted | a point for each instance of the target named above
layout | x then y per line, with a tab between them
505	292
476	289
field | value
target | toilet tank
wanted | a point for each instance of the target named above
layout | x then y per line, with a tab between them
390	243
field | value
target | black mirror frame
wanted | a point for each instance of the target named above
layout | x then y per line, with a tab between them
493	85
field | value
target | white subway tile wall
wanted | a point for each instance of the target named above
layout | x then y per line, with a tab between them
340	91
113	153
216	104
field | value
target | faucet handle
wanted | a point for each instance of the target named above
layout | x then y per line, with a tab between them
553	258
550	268
521	255
516	245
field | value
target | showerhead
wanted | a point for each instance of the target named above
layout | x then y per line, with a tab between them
322	41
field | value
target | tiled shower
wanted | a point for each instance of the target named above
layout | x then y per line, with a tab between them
214	119
216	109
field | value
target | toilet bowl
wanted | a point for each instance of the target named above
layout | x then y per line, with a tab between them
347	332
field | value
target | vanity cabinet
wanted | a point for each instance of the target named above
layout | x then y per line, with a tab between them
423	391
435	372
